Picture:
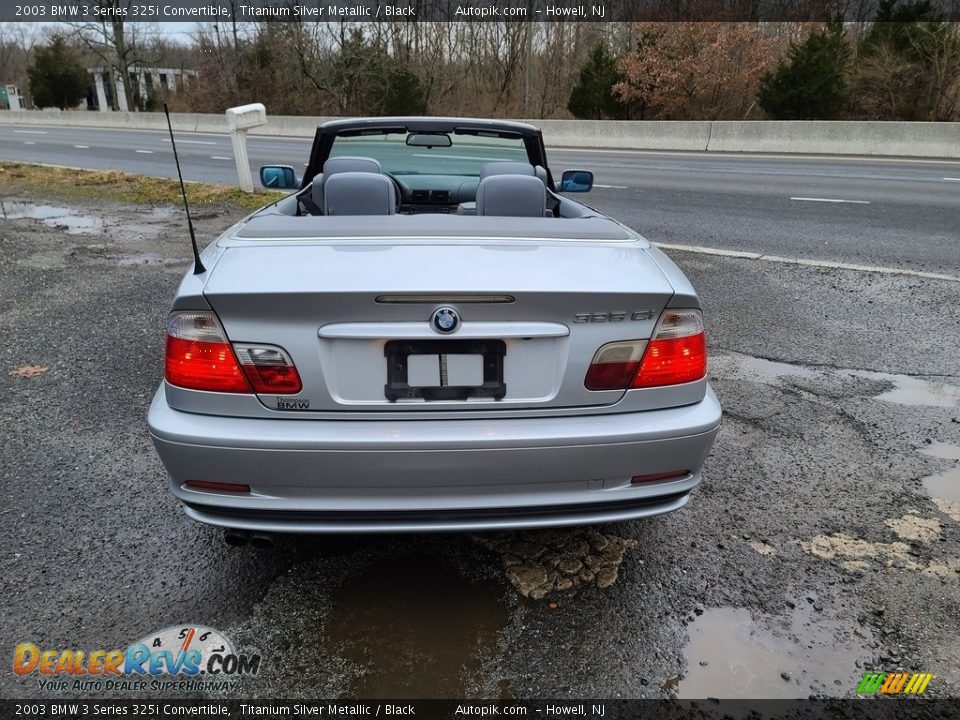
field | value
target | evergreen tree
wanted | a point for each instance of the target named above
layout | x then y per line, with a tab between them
592	98
809	84
57	79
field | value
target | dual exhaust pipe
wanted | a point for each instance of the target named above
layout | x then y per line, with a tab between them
236	538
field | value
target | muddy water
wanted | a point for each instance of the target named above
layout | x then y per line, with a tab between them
909	390
945	485
906	390
72	222
414	629
759	369
731	655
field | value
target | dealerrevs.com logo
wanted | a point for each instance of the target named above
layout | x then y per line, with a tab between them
180	657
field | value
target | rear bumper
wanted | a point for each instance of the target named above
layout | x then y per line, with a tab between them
326	476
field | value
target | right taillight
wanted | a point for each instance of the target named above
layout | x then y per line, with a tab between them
677	353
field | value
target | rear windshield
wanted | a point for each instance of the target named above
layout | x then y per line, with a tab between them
465	156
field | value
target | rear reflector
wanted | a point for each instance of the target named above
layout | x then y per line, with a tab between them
222	486
637	479
676	354
198	356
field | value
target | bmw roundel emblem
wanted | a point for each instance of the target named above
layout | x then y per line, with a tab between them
445	320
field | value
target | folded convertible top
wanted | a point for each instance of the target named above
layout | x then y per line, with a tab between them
452	227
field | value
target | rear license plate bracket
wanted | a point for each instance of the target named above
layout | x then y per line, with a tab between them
398	353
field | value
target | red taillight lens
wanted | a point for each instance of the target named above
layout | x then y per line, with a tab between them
676	354
268	369
199	357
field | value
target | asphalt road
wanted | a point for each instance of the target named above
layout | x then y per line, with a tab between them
822	544
887	212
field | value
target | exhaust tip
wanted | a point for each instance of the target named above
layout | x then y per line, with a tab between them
235	538
261	540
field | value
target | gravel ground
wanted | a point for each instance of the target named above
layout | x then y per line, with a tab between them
822	543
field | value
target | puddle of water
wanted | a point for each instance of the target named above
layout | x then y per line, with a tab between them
914	391
759	369
66	219
415	627
906	390
730	656
942	450
944	486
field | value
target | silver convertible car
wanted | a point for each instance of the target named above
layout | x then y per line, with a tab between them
428	334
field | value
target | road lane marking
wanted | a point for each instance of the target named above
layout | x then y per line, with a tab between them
28	142
699	249
82	147
614	187
31	132
195	142
145	152
952	179
831	200
219	157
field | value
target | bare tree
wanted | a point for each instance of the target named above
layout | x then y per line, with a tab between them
118	45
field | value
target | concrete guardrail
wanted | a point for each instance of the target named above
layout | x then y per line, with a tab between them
898	139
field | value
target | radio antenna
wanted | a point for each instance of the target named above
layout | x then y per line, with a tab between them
198	268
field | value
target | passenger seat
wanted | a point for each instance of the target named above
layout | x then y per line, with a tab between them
507	167
511	196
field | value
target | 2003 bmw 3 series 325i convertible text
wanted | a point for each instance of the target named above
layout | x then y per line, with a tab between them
429	335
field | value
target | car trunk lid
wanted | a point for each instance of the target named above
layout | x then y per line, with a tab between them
359	319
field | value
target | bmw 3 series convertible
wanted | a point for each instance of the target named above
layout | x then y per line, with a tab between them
429	334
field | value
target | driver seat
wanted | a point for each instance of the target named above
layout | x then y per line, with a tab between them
336	165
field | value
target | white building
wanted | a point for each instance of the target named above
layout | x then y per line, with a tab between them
144	81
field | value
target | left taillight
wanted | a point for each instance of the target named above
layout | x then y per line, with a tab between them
200	357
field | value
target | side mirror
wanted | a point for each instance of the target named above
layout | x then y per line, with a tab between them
279	177
576	181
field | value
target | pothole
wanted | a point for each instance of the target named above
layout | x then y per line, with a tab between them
906	390
909	390
759	369
60	218
730	655
413	629
944	487
538	563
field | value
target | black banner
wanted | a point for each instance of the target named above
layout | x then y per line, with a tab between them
192	11
865	709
